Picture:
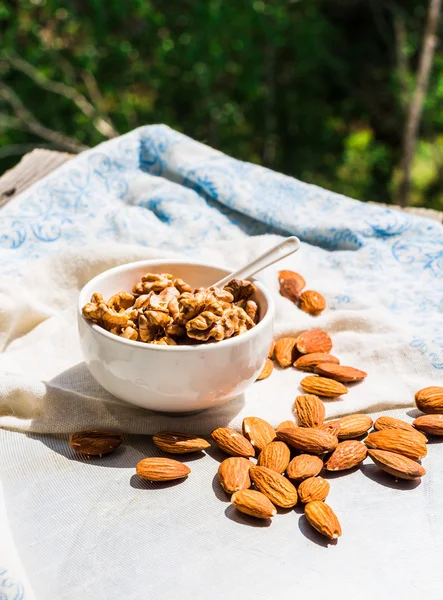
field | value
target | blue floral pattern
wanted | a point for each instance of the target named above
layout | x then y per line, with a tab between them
157	187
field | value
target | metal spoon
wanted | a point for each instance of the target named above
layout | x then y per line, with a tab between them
281	250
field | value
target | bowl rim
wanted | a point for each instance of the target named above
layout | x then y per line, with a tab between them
269	316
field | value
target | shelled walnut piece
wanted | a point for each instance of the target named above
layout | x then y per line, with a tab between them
163	309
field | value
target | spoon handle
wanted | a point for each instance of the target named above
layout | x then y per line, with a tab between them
271	256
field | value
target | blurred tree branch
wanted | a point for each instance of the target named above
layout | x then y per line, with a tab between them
102	124
26	119
415	108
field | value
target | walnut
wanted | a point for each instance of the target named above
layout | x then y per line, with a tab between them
200	327
190	305
251	309
240	289
129	333
162	300
163	310
152	282
152	324
181	285
120	301
165	341
176	330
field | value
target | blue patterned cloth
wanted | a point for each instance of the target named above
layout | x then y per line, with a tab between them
156	187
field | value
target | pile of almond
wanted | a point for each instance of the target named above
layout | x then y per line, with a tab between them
291	287
310	351
269	468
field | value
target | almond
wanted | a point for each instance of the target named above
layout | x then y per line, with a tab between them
274	486
161	469
314	340
432	424
94	442
286	425
312	302
332	427
323	519
259	432
254	504
285	351
179	443
233	474
271	350
290	289
310	410
307	362
320	386
313	489
396	464
232	442
353	426
291	285
309	440
430	399
267	370
391	423
304	466
340	373
401	442
275	456
346	456
287	274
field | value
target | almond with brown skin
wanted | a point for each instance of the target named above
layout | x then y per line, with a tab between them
285	351
391	423
95	442
323	519
310	410
161	469
308	362
314	340
286	425
353	426
304	466
267	370
321	386
259	432
430	399
232	442
179	443
398	441
275	456
340	373
397	465
291	285
431	424
312	302
308	440
287	274
254	504
332	427
313	489
233	474
274	486
347	455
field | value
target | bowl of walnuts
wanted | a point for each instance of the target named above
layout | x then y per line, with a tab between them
157	334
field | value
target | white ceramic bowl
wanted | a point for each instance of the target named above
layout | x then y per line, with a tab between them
173	378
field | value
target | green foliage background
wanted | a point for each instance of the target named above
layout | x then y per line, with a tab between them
311	88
